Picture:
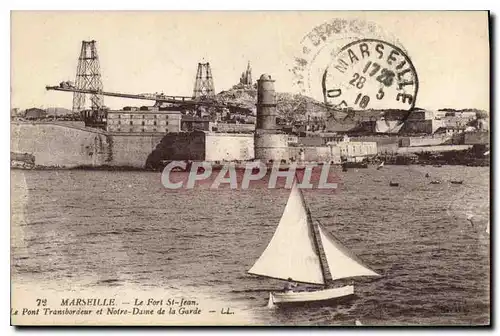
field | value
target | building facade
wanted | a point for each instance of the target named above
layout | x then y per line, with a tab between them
35	113
231	127
191	123
152	120
477	138
354	149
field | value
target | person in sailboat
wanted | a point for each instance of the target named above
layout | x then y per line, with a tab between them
305	264
290	285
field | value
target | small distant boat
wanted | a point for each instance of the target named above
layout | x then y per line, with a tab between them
457	182
22	160
427	175
394	184
469	218
303	251
381	165
435	182
352	164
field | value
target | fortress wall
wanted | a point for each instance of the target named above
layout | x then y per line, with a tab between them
229	147
274	154
316	154
323	154
428	141
477	138
445	148
380	140
59	145
133	150
184	146
235	128
388	148
68	145
178	146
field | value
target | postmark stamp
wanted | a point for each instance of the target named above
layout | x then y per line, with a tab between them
323	42
370	74
355	67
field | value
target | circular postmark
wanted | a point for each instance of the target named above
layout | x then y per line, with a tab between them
370	74
332	67
322	43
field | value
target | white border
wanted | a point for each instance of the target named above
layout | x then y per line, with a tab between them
186	5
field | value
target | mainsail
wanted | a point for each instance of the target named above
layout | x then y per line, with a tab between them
341	262
291	253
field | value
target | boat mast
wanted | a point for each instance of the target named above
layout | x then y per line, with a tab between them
327	277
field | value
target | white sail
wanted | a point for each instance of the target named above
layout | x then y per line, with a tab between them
341	262
291	253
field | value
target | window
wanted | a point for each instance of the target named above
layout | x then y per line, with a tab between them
166	122
154	123
143	123
166	116
119	122
119	116
156	116
131	122
142	130
143	116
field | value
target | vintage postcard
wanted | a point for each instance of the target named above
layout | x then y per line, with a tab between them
327	168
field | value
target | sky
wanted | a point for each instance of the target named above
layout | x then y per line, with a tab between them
159	51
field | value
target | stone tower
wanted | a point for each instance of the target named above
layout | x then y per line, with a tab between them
270	144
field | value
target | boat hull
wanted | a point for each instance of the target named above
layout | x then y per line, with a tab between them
309	297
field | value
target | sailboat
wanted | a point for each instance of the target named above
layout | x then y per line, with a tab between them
305	252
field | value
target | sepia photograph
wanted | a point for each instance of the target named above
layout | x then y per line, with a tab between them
250	168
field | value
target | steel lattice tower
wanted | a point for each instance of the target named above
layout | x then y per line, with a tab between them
204	83
88	77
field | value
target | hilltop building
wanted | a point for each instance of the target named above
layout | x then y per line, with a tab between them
246	76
